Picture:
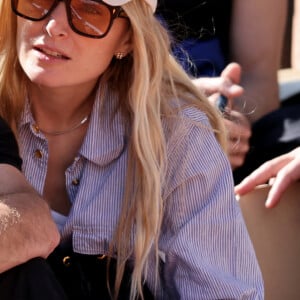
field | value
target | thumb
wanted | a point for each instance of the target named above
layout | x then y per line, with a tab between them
232	71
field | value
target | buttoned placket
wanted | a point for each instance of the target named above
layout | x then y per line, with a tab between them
73	176
38	158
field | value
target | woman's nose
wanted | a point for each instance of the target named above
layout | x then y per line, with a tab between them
57	23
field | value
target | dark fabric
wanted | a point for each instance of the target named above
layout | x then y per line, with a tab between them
196	18
9	152
65	275
200	31
275	134
200	59
33	280
85	276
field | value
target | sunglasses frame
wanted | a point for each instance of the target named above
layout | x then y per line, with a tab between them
115	12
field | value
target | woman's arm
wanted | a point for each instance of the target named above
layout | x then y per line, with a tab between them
207	249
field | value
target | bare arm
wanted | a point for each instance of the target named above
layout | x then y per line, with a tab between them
26	226
257	32
295	51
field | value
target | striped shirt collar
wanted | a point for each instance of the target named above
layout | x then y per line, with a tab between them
105	139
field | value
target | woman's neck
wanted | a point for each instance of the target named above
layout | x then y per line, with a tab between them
58	110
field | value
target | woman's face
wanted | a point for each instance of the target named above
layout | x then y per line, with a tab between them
53	55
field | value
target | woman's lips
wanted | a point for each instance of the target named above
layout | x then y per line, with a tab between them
50	52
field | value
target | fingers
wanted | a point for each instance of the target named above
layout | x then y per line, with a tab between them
219	85
262	175
287	175
232	77
226	84
233	72
239	133
237	151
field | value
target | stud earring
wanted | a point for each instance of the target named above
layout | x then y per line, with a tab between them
120	55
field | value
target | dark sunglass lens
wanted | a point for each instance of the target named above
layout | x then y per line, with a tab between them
34	9
90	17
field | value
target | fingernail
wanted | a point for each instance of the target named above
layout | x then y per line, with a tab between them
268	202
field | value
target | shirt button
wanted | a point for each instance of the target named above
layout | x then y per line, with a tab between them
35	128
38	154
75	182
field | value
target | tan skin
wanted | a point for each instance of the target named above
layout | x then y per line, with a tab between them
295	51
281	172
62	151
61	88
237	124
256	37
26	226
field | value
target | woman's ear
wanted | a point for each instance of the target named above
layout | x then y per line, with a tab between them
125	46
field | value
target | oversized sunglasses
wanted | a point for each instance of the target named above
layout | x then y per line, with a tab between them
90	18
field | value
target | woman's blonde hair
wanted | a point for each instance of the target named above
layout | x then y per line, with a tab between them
12	78
146	82
155	79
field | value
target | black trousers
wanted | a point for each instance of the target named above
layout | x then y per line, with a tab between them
65	275
33	280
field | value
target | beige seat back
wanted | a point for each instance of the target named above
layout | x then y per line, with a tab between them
275	234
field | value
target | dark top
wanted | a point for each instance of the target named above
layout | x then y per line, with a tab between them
200	28
9	151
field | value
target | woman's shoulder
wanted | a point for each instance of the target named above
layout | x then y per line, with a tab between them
189	130
192	149
194	114
187	117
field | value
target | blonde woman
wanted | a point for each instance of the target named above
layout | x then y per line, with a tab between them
126	152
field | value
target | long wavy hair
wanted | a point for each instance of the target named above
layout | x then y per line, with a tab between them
146	80
12	77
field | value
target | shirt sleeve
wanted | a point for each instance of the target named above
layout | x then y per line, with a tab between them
207	250
9	151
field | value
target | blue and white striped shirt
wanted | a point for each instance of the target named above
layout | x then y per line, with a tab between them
204	242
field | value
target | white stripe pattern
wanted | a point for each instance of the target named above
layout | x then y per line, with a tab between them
204	242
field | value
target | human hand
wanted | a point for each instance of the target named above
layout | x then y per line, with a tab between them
227	84
238	126
239	133
281	172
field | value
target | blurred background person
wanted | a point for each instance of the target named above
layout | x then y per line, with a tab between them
207	35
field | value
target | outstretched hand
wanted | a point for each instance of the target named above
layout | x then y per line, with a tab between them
281	172
237	124
227	84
